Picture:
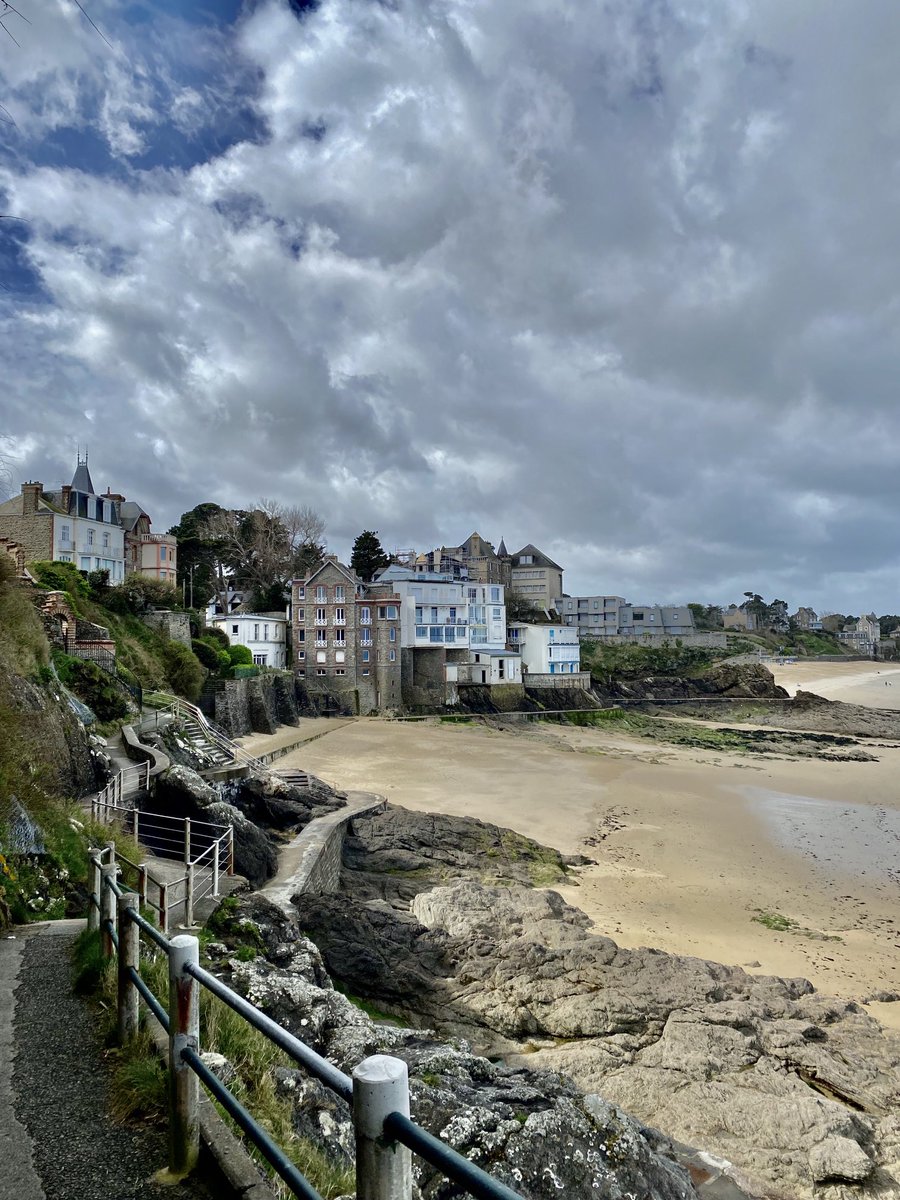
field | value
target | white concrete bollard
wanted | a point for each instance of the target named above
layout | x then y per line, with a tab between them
383	1167
184	1033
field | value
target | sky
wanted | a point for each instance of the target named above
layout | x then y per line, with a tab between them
618	278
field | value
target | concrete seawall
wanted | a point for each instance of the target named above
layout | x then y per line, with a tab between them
312	861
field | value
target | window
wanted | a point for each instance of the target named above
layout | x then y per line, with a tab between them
340	670
365	656
637	616
301	635
387	612
260	659
497	614
85	563
473	593
525	560
256	632
321	594
301	593
162	549
495	595
340	656
235	629
366	671
393	634
320	656
301	655
392	655
340	617
321	671
321	616
365	615
90	540
338	592
64	533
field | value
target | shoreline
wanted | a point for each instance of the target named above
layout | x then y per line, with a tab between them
687	846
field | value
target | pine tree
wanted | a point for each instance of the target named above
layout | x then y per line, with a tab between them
368	556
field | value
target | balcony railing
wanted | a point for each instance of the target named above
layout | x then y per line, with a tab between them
340	620
339	643
321	622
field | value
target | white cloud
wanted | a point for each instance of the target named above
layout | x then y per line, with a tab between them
620	282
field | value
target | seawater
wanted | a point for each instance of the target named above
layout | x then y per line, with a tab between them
859	840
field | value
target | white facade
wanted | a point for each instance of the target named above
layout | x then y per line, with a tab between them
489	667
439	611
264	635
546	649
95	542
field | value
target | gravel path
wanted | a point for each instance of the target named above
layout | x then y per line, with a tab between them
60	1086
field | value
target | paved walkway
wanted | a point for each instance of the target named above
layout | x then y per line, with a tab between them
306	730
57	1141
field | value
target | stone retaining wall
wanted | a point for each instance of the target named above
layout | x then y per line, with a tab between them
313	859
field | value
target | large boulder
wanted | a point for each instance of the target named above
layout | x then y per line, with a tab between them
395	854
181	792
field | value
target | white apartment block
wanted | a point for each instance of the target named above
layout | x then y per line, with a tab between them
546	649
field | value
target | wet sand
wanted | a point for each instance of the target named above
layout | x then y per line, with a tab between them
689	845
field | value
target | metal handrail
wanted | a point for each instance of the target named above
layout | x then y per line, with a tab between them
378	1147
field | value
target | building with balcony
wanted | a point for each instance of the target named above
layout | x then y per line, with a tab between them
863	636
346	639
545	649
590	616
154	555
610	616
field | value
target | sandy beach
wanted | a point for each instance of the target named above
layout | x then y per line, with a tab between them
689	846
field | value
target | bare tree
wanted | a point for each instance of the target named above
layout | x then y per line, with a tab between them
268	545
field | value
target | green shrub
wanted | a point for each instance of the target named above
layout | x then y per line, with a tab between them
93	686
245	671
207	655
240	656
60	577
139	593
212	633
184	671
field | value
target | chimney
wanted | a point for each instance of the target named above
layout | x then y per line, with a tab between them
31	493
66	496
330	558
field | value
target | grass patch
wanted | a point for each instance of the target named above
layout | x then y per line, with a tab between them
371	1010
782	924
139	1082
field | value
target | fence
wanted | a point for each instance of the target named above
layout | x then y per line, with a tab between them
205	848
378	1091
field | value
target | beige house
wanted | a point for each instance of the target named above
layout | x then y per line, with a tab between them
737	618
71	524
475	559
535	576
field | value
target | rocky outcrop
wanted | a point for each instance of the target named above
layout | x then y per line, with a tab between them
39	716
725	679
181	792
533	1130
761	1071
395	854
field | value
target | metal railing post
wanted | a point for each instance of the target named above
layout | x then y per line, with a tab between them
217	850
107	909
129	956
383	1167
134	821
189	896
111	847
163	908
187	840
230	849
184	1033
93	917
